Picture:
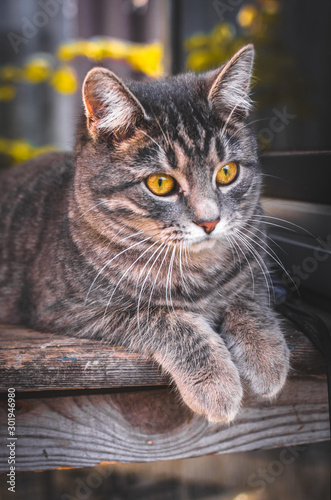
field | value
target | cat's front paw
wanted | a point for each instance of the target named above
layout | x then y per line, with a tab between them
258	348
264	363
215	396
201	366
267	371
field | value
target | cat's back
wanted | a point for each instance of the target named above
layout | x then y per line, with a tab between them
33	201
29	177
30	195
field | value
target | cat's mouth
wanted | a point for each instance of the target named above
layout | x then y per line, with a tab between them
193	238
197	244
198	239
194	242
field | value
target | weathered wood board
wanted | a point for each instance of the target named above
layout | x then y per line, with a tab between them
31	360
95	409
142	426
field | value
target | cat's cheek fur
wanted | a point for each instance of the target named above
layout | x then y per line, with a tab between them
258	348
201	366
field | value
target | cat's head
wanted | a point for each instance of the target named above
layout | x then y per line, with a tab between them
174	158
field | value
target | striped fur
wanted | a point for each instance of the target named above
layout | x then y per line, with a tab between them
88	250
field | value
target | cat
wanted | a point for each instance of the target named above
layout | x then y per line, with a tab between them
150	235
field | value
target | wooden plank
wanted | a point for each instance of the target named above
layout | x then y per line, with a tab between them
148	425
31	360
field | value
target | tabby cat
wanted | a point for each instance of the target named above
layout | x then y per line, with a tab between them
150	236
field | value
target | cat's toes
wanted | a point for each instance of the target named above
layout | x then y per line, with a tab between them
267	372
268	384
217	398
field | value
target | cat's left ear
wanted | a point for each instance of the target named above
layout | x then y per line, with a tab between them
110	107
230	85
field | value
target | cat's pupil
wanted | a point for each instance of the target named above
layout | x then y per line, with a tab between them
160	181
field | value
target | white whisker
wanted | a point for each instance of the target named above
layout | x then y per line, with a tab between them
159	250
248	263
115	257
92	208
168	284
182	272
125	274
272	255
167	139
167	247
153	140
259	261
287	222
269	238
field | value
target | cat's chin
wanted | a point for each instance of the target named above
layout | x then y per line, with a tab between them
201	244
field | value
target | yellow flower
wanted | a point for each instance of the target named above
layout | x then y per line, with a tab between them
66	52
270	6
223	31
64	80
199	60
10	73
4	145
247	15
196	41
147	59
80	48
116	49
48	148
37	70
7	92
20	150
94	50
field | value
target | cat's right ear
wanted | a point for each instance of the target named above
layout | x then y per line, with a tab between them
229	85
110	107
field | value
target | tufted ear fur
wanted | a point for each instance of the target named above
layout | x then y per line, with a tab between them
230	85
110	107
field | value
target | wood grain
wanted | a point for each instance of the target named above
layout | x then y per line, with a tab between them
126	422
148	425
31	360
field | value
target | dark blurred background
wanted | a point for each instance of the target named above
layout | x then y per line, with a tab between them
46	48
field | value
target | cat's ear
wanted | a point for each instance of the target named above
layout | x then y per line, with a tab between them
110	107
229	86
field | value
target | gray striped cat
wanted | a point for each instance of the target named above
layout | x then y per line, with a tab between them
150	236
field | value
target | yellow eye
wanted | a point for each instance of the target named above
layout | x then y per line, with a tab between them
227	174
160	184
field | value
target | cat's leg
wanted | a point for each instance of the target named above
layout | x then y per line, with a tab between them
254	337
194	354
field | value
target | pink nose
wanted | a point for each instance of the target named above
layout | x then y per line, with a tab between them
207	225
